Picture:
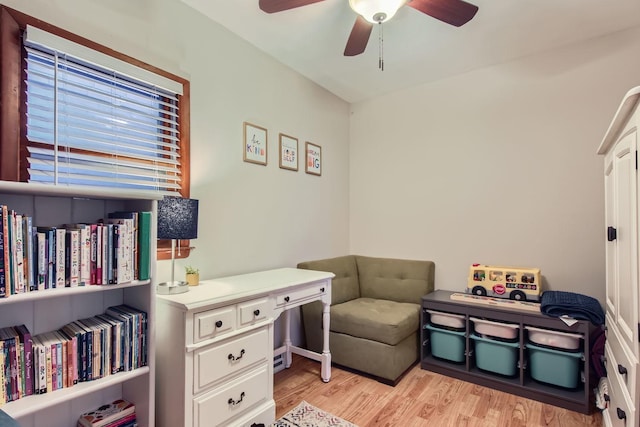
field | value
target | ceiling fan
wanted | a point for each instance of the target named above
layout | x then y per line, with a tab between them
454	12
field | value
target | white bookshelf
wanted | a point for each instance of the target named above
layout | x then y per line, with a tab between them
47	310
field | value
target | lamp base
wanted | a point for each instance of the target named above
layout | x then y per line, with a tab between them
172	288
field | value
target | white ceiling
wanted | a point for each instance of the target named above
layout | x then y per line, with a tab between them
417	48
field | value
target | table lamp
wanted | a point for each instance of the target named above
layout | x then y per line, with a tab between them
177	220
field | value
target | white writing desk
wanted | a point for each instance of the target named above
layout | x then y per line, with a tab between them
215	346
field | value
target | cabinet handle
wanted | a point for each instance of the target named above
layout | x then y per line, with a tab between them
622	369
611	234
256	312
621	414
219	324
233	358
321	289
235	402
286	299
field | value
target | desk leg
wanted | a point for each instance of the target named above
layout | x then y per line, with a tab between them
287	339
326	354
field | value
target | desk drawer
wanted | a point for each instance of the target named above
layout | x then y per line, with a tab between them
294	296
213	323
254	311
623	362
220	360
231	400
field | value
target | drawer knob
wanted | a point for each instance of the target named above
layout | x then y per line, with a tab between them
622	369
286	299
234	358
219	324
235	402
321	289
621	414
256	312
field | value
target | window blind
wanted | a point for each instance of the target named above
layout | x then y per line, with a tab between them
92	124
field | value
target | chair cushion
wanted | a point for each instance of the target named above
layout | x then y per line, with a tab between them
379	320
391	279
344	286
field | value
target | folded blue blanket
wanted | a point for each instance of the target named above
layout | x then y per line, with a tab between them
578	306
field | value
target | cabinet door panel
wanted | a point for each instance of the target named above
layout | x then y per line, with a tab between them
611	247
626	225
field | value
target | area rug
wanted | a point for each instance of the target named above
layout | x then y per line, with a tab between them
307	415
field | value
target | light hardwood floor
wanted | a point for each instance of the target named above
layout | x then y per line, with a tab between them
421	398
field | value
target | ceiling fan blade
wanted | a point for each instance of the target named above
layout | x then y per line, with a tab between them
272	6
359	37
454	12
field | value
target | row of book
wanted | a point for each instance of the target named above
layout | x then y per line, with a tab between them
119	413
113	250
83	350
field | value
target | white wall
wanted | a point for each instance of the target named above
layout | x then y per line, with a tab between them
252	217
496	166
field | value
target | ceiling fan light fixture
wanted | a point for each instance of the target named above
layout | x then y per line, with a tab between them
376	11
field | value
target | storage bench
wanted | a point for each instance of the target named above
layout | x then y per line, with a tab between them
507	364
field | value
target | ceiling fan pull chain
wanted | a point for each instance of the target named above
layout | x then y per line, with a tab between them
380	47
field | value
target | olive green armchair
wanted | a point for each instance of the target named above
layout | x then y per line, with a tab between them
375	313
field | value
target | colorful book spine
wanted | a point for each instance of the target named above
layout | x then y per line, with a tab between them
3	391
60	257
42	260
48	255
85	254
18	254
72	258
6	249
29	257
3	272
144	245
40	365
27	342
11	251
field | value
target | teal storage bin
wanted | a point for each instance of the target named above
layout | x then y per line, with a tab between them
496	356
550	366
447	344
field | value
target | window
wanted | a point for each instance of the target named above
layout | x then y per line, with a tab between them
93	125
86	115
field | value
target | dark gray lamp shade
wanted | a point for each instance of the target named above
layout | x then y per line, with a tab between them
177	218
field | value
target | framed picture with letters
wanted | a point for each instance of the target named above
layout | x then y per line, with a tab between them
313	159
288	152
255	144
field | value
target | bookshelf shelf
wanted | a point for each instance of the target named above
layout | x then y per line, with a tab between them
68	292
31	404
47	310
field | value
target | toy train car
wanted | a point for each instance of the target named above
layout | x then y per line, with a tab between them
516	283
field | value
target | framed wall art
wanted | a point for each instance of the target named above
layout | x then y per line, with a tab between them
254	144
313	161
288	152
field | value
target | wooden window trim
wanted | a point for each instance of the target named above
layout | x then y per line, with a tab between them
13	131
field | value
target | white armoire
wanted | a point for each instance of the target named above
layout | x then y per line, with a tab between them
620	148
